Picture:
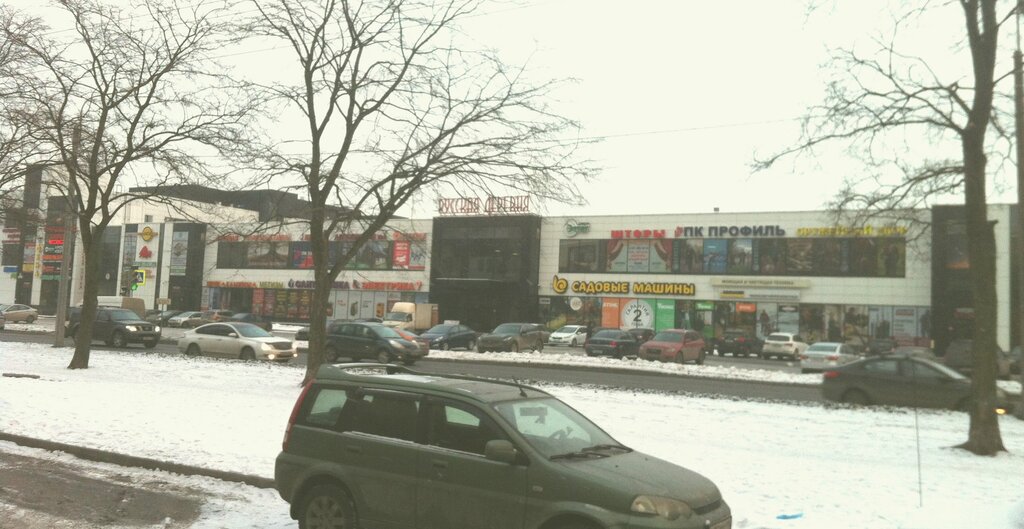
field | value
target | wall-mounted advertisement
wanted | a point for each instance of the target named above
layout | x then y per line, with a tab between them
267	254
179	253
610	312
741	256
863	257
617	256
715	255
418	254
661	256
665	314
689	256
400	254
302	255
798	257
639	256
638	313
788	319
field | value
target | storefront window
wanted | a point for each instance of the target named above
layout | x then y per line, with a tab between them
302	255
715	256
741	256
798	256
639	255
689	256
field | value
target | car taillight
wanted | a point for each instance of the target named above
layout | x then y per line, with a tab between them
741	340
831	374
294	415
614	344
833	357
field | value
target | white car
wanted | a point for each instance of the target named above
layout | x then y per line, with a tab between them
244	341
783	345
571	335
823	356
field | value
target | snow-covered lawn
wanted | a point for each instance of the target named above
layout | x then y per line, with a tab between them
834	468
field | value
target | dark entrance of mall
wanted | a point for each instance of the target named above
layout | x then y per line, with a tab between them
484	269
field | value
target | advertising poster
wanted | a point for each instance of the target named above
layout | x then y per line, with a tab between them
767	318
827	256
812	322
639	256
616	256
661	256
788	319
798	257
148	244
257	301
664	314
863	257
280	304
892	256
418	253
715	255
880	322
770	256
904	324
293	303
610	312
400	253
273	254
28	263
302	255
690	255
637	313
179	253
741	256
956	246
305	300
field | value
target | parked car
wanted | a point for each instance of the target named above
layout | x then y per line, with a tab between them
612	342
18	313
783	345
512	337
116	327
186	319
960	356
880	346
262	322
902	381
301	341
213	316
571	335
356	341
822	356
3	322
160	318
244	341
358	443
675	345
739	342
642	334
449	336
424	345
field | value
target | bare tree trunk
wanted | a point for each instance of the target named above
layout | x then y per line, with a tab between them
91	249
322	284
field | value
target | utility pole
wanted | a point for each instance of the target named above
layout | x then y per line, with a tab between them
69	242
1018	103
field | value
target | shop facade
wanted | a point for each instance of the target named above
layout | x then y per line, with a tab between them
759	272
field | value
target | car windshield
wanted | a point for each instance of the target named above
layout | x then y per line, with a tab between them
568	329
778	338
507	328
440	329
123	315
386	332
252	331
674	337
554	429
398	316
4	307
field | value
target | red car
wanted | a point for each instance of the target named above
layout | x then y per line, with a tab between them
675	345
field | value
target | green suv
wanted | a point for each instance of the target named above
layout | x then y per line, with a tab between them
381	446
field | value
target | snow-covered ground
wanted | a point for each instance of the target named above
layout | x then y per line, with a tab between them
829	467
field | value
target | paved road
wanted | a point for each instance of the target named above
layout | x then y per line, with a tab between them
573	375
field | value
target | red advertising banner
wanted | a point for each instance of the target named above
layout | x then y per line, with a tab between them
400	255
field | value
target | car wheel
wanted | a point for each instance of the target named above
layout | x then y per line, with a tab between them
700	358
117	339
471	345
856	397
30	319
480	349
445	346
247	354
515	347
150	344
193	350
327	506
383	357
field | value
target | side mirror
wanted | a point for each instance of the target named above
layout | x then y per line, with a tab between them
232	335
501	451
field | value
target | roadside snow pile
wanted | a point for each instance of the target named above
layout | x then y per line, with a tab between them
34	327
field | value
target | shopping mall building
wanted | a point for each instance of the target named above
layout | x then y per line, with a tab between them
785	271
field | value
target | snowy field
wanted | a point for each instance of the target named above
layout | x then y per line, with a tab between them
812	466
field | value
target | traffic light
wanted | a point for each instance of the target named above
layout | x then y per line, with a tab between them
138	279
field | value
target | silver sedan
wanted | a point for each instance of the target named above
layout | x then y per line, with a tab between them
244	341
823	356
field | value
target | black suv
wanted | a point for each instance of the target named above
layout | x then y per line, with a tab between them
740	343
356	340
117	327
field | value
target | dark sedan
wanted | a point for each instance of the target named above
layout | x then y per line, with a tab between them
901	381
262	322
612	342
448	336
739	343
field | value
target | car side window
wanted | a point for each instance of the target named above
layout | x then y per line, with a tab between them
102	316
886	367
326	408
387	415
921	371
457	426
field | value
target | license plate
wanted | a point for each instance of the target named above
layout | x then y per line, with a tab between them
724	524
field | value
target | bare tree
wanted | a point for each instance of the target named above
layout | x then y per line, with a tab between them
392	107
880	97
136	97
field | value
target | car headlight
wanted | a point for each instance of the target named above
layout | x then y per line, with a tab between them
667	508
156	328
130	328
507	338
267	347
396	344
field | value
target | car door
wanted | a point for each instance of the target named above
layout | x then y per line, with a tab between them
459	487
102	326
212	339
926	387
464	335
883	381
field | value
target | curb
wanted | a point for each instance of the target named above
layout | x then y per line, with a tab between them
104	456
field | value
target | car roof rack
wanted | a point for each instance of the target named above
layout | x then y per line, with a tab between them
393	369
